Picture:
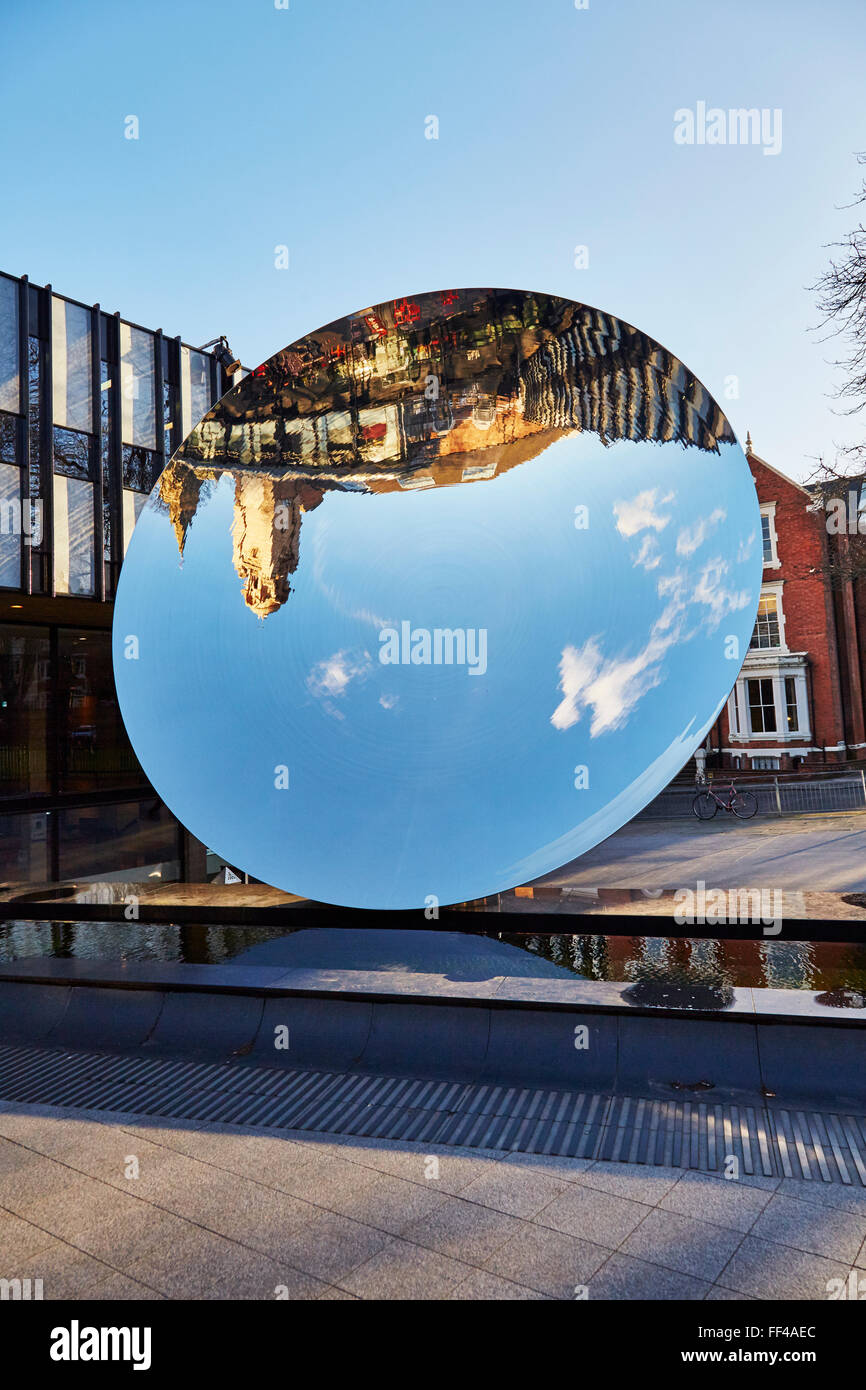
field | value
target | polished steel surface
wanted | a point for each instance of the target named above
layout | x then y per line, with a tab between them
437	598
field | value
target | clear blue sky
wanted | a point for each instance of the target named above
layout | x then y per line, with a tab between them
414	779
305	127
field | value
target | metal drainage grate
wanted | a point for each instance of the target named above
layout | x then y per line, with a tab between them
700	1135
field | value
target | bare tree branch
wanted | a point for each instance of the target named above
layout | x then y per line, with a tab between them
841	293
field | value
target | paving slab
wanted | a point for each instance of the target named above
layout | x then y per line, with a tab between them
464	1230
830	1194
683	1243
623	1278
19	1240
638	1182
403	1270
370	1219
480	1285
390	1203
66	1273
120	1287
505	1188
193	1262
732	1204
818	1229
764	1270
331	1246
261	1278
552	1262
593	1215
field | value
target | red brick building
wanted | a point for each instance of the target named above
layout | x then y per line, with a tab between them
798	700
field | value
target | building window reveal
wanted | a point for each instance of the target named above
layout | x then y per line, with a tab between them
766	633
762	706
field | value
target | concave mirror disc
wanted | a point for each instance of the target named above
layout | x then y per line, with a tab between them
437	598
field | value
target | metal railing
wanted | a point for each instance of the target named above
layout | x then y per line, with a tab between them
776	797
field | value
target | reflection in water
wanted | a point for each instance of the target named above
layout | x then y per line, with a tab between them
338	581
195	945
824	966
809	965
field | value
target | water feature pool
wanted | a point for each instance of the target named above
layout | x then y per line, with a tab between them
775	964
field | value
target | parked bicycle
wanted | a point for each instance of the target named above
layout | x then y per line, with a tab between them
738	803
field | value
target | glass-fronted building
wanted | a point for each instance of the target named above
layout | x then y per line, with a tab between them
91	406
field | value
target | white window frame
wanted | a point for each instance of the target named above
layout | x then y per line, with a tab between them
776	590
768	509
739	717
746	707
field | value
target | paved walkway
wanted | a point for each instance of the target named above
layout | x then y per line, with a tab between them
815	852
224	1212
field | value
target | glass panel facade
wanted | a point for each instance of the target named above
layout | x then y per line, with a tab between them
24	850
72	364
9	349
93	750
74	568
148	393
75	472
12	520
34	393
25	710
10	526
170	398
196	389
72	454
106	408
133	505
39	555
119	841
9	439
137	386
141	468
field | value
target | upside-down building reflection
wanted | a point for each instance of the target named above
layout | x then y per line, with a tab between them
449	389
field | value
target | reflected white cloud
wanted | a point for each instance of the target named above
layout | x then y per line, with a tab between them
642	512
649	555
716	596
332	676
691	537
610	687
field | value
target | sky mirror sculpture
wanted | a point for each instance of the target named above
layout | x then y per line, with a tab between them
437	598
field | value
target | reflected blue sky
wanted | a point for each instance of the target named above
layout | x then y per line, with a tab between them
615	582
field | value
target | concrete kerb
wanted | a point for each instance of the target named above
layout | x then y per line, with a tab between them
608	1047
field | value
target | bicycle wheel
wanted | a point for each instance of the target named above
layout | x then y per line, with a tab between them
745	805
705	806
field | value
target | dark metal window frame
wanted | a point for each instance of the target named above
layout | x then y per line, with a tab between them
53	801
35	319
105	333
